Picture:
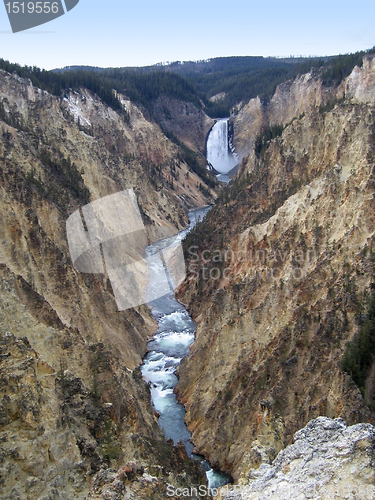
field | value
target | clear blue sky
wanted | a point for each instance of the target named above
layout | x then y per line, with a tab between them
141	32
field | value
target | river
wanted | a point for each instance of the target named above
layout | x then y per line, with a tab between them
171	342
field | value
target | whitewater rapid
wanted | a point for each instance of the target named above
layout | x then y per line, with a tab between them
171	342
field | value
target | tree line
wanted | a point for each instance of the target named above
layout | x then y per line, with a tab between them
141	87
239	78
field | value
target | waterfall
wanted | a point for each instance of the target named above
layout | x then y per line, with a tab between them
219	150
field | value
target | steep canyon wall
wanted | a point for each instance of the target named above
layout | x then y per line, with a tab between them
279	273
74	408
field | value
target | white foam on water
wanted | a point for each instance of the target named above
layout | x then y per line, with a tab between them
175	334
219	153
184	337
162	398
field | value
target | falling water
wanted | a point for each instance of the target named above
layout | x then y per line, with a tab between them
220	153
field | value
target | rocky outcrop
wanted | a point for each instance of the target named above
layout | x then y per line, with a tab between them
290	100
360	85
296	97
38	453
328	460
188	123
246	125
279	273
61	438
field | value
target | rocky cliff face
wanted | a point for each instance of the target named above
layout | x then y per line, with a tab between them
296	97
189	124
290	100
278	278
75	415
327	460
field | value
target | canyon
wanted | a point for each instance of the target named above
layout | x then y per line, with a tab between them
278	277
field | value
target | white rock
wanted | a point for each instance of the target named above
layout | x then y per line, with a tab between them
327	461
